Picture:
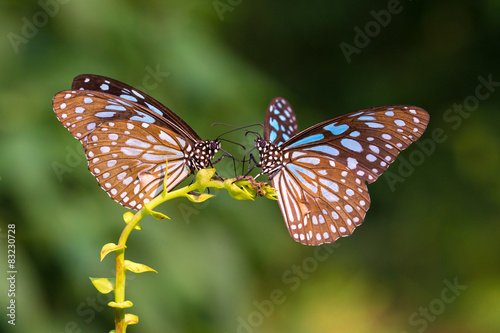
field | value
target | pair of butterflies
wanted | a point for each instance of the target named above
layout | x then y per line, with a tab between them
320	174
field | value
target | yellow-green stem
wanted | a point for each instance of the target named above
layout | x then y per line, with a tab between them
120	325
203	180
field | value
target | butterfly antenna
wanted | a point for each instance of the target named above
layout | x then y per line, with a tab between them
236	143
227	154
254	133
234	128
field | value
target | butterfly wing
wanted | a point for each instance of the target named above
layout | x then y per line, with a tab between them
129	161
320	200
126	144
365	141
280	123
124	91
321	185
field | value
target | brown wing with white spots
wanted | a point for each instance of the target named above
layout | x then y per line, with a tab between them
127	145
321	200
122	90
128	160
82	111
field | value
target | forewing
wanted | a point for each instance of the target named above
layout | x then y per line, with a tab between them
320	199
82	111
126	145
124	91
366	141
280	123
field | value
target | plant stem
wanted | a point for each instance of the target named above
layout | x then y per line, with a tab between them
203	180
120	324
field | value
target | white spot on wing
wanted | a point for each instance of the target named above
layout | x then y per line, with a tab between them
131	151
168	138
137	143
127	180
129	98
352	163
115	107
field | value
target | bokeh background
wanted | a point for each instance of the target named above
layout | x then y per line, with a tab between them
426	259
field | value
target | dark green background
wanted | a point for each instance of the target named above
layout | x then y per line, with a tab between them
219	262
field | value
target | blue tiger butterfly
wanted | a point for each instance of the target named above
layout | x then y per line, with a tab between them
320	174
128	136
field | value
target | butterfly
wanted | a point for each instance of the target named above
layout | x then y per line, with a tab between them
128	136
320	174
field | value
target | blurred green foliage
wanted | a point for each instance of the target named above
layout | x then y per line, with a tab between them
228	266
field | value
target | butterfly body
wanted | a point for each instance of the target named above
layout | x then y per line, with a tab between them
129	137
320	173
271	156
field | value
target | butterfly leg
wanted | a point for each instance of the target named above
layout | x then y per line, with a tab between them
227	154
250	159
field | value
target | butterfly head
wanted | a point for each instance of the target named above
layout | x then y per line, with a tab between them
261	144
203	153
271	157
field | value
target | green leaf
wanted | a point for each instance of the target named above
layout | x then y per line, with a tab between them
131	319
103	285
137	268
250	189
109	248
198	197
256	188
235	191
158	216
122	305
128	216
203	177
269	192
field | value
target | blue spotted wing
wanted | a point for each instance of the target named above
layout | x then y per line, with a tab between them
321	173
281	123
128	136
119	89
